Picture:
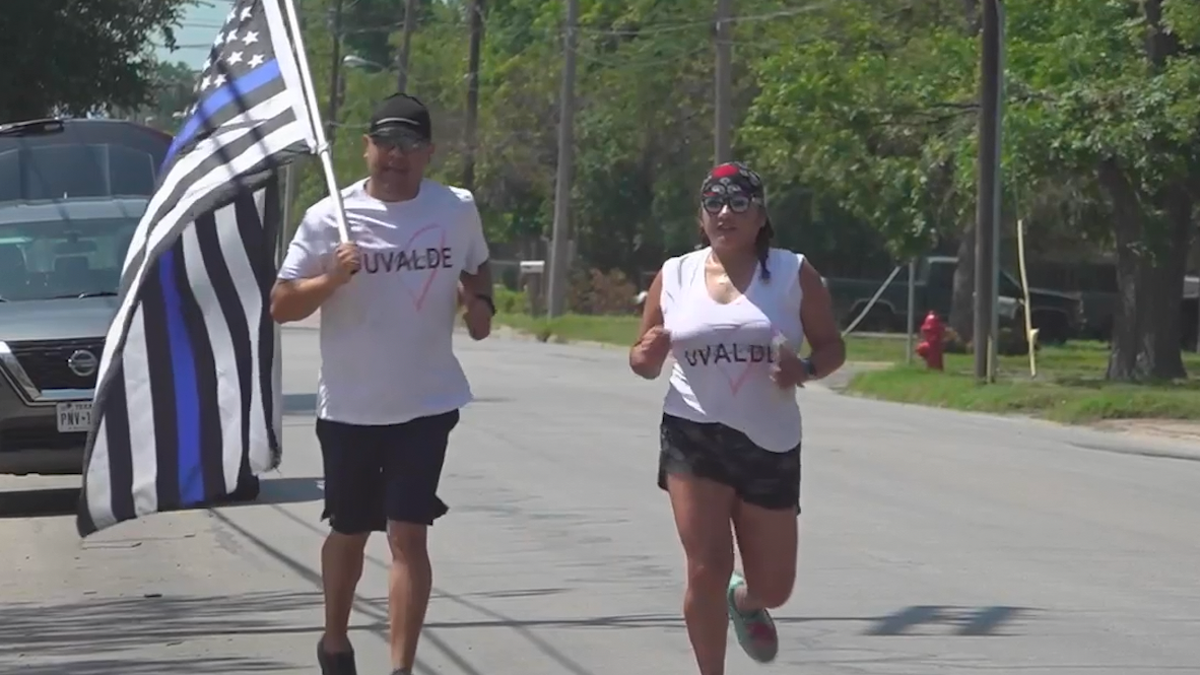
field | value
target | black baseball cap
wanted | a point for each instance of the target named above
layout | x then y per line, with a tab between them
401	117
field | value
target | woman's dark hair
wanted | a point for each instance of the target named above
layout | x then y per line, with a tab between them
762	246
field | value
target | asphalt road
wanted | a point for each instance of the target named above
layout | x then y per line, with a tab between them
933	542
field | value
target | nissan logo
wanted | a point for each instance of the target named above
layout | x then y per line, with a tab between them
83	363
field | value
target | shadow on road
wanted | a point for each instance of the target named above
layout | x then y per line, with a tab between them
83	637
156	666
51	502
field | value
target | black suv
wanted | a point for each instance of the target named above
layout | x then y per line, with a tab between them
71	195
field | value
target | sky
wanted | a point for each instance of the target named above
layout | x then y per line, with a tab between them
194	38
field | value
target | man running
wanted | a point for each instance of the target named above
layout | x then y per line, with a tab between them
390	387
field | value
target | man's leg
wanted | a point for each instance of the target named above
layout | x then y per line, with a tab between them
354	506
412	472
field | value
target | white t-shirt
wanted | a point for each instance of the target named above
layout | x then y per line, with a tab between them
724	352
386	336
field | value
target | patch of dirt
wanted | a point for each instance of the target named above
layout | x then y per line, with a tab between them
840	378
1182	430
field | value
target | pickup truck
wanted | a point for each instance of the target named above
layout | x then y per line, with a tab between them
1057	316
71	195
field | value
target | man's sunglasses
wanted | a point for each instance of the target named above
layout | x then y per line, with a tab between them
404	145
738	203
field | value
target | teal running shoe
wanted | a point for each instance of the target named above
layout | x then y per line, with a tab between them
755	630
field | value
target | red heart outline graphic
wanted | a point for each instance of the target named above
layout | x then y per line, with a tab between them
419	298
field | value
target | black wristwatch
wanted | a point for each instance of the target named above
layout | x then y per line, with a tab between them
488	299
810	368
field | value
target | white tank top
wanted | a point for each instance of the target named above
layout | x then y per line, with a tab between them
723	352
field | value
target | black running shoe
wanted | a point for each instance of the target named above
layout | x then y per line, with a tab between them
335	663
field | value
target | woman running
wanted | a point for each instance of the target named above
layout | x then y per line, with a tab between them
733	315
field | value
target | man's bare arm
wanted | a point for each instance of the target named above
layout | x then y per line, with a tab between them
479	283
295	300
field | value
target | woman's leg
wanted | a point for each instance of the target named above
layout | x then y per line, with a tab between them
765	520
702	511
702	503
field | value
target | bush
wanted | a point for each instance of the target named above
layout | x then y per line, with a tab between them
509	301
596	292
1011	343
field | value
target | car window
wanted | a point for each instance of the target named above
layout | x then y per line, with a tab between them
43	260
71	171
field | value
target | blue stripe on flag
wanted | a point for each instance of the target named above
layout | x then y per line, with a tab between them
220	98
187	404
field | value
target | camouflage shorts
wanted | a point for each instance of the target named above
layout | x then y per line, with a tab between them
725	455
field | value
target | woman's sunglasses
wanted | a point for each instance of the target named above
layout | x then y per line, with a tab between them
738	203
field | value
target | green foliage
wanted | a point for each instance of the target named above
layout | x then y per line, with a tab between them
509	301
78	56
862	117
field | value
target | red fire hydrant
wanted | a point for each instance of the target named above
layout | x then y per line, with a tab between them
933	346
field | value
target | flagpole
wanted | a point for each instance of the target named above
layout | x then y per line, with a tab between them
314	110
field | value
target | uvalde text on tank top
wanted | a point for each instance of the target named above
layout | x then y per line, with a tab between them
736	360
418	262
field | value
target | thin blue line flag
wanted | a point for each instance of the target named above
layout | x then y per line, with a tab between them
187	399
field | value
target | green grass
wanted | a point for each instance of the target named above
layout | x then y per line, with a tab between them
1069	386
613	330
1071	399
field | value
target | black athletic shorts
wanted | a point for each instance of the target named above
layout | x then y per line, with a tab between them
374	474
725	455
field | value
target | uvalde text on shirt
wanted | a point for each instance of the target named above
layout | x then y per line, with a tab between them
729	353
400	260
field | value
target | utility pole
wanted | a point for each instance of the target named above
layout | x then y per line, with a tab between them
476	9
410	24
560	246
987	204
335	72
723	74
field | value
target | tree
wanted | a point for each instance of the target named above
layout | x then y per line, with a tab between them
1117	103
877	108
81	56
874	107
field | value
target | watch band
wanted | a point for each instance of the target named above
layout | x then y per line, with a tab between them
487	299
809	367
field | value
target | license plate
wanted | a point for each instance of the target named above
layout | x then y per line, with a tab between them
74	416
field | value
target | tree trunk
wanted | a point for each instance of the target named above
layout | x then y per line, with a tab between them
1151	257
962	299
1145	338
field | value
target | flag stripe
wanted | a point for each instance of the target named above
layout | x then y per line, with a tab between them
256	294
136	406
183	368
161	376
116	425
240	234
207	275
263	79
205	478
225	310
269	336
